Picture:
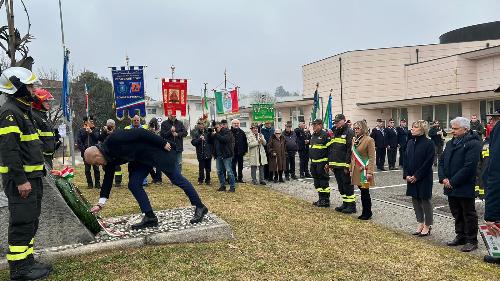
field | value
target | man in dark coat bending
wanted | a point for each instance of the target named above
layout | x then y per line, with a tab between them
143	150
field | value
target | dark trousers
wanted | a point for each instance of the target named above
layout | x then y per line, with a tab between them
321	179
88	175
304	161
48	159
438	150
23	223
290	164
204	168
464	212
346	189
155	175
380	157
118	175
391	156
237	159
366	202
137	173
402	155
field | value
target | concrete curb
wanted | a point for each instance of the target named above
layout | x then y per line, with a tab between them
214	232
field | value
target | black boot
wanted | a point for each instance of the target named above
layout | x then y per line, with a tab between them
39	265
30	273
147	221
280	176
350	209
341	207
199	213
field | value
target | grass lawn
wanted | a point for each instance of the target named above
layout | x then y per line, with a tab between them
277	238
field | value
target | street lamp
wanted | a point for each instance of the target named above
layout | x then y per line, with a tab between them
173	70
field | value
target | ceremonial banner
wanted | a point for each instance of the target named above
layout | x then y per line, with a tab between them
315	105
226	101
65	102
262	112
128	85
491	241
174	96
328	120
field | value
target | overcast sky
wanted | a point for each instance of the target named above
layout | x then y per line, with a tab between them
261	43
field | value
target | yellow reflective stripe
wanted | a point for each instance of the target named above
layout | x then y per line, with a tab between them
20	256
329	143
324	190
476	188
340	164
48	153
486	153
481	191
349	199
118	173
29	137
339	140
45	134
318	146
10	129
32	168
319	160
18	249
4	170
32	241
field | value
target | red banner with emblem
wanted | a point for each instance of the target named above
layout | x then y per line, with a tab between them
174	96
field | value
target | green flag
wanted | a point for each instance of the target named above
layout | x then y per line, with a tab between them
262	112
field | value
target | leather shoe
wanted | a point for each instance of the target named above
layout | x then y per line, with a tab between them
490	259
469	247
222	188
456	242
365	217
146	222
262	183
199	213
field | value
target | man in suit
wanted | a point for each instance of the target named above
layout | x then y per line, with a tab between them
391	140
378	134
402	131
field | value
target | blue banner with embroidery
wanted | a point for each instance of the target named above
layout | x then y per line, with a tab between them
128	86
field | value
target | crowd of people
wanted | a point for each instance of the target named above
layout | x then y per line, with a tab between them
350	151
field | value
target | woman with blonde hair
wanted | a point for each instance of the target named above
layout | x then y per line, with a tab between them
417	172
362	165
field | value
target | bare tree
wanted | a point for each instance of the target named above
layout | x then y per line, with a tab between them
49	74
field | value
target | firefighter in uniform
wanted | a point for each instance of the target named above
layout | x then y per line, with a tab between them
44	126
318	152
22	169
482	167
340	162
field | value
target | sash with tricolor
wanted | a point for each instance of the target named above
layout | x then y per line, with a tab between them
66	173
361	162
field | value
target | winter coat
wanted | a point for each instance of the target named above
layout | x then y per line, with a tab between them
379	138
366	148
204	148
240	141
302	137
391	137
477	127
277	153
438	140
458	164
290	141
402	135
341	148
223	143
256	150
86	140
418	163
166	133
492	179
267	133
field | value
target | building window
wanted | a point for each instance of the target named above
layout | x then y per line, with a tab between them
399	113
151	111
444	113
243	124
279	119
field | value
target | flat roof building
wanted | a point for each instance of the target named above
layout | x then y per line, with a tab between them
430	82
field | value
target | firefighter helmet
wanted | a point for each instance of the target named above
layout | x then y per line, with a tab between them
41	96
14	78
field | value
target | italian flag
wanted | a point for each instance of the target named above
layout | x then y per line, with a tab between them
226	101
67	173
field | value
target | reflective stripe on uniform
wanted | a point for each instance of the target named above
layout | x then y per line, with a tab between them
27	168
319	160
476	188
349	199
339	140
318	146
340	164
48	153
10	129
29	137
45	134
118	173
486	153
323	190
17	253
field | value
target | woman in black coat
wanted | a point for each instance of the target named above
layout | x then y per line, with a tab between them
418	174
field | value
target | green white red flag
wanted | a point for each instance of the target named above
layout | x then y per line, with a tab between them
226	102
